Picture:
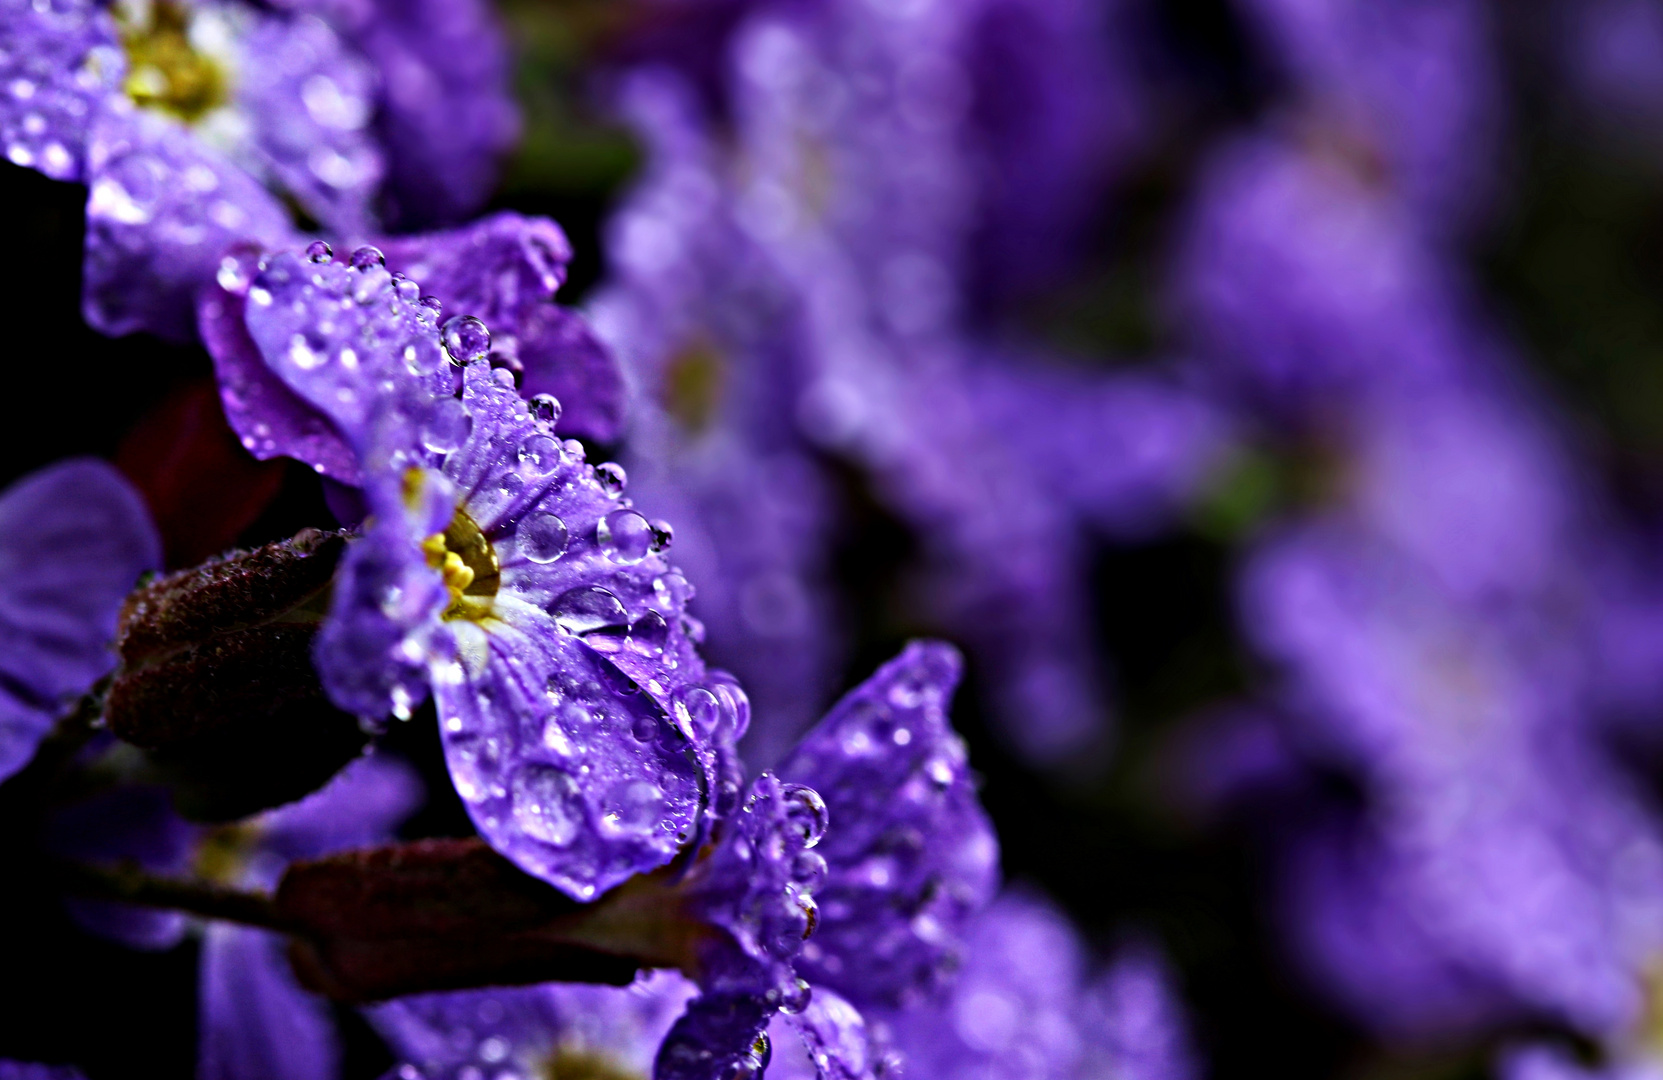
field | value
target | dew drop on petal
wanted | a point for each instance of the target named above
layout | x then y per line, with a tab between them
540	454
611	477
696	710
542	537
547	803
466	339
588	608
546	407
366	257
662	534
623	535
319	252
632	807
649	634
806	811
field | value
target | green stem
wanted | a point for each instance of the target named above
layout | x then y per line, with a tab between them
130	884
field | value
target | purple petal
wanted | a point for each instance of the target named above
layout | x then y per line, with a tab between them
447	115
834	1034
125	824
28	1070
911	856
311	102
270	419
161	209
1135	1023
74	539
720	1035
61	63
442	1036
362	805
505	270
256	1023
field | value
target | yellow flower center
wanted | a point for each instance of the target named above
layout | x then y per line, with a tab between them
468	563
165	69
222	852
693	385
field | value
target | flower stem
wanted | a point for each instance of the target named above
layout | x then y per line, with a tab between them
130	884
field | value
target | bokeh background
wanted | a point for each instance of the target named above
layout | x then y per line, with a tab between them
1404	260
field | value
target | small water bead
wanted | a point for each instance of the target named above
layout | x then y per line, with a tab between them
588	608
542	537
408	290
319	252
548	803
624	536
546	408
611	477
662	534
649	634
445	427
808	869
372	282
237	269
366	257
697	710
465	338
540	454
430	305
795	998
806	811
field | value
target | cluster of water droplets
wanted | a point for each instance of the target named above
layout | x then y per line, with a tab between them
58	62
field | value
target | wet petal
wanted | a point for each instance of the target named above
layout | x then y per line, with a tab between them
61	62
911	855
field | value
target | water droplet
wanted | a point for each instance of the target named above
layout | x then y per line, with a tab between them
504	377
542	537
662	534
808	869
541	454
422	357
633	807
796	997
431	305
588	608
611	477
319	252
466	339
307	351
696	710
511	484
649	634
408	290
547	804
546	407
372	282
623	535
645	728
806	811
493	1050
939	769
366	257
445	427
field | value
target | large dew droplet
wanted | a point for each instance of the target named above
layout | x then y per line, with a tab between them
540	454
632	807
696	710
547	804
546	407
542	537
466	339
588	608
611	477
319	252
624	536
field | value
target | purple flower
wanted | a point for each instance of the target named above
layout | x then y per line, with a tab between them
1024	1005
181	114
1414	86
1303	286
1487	867
500	570
74	539
714	340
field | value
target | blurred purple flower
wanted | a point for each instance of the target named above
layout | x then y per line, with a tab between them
714	341
74	539
1412	87
161	108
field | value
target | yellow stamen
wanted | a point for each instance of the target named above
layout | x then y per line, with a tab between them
468	564
165	71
